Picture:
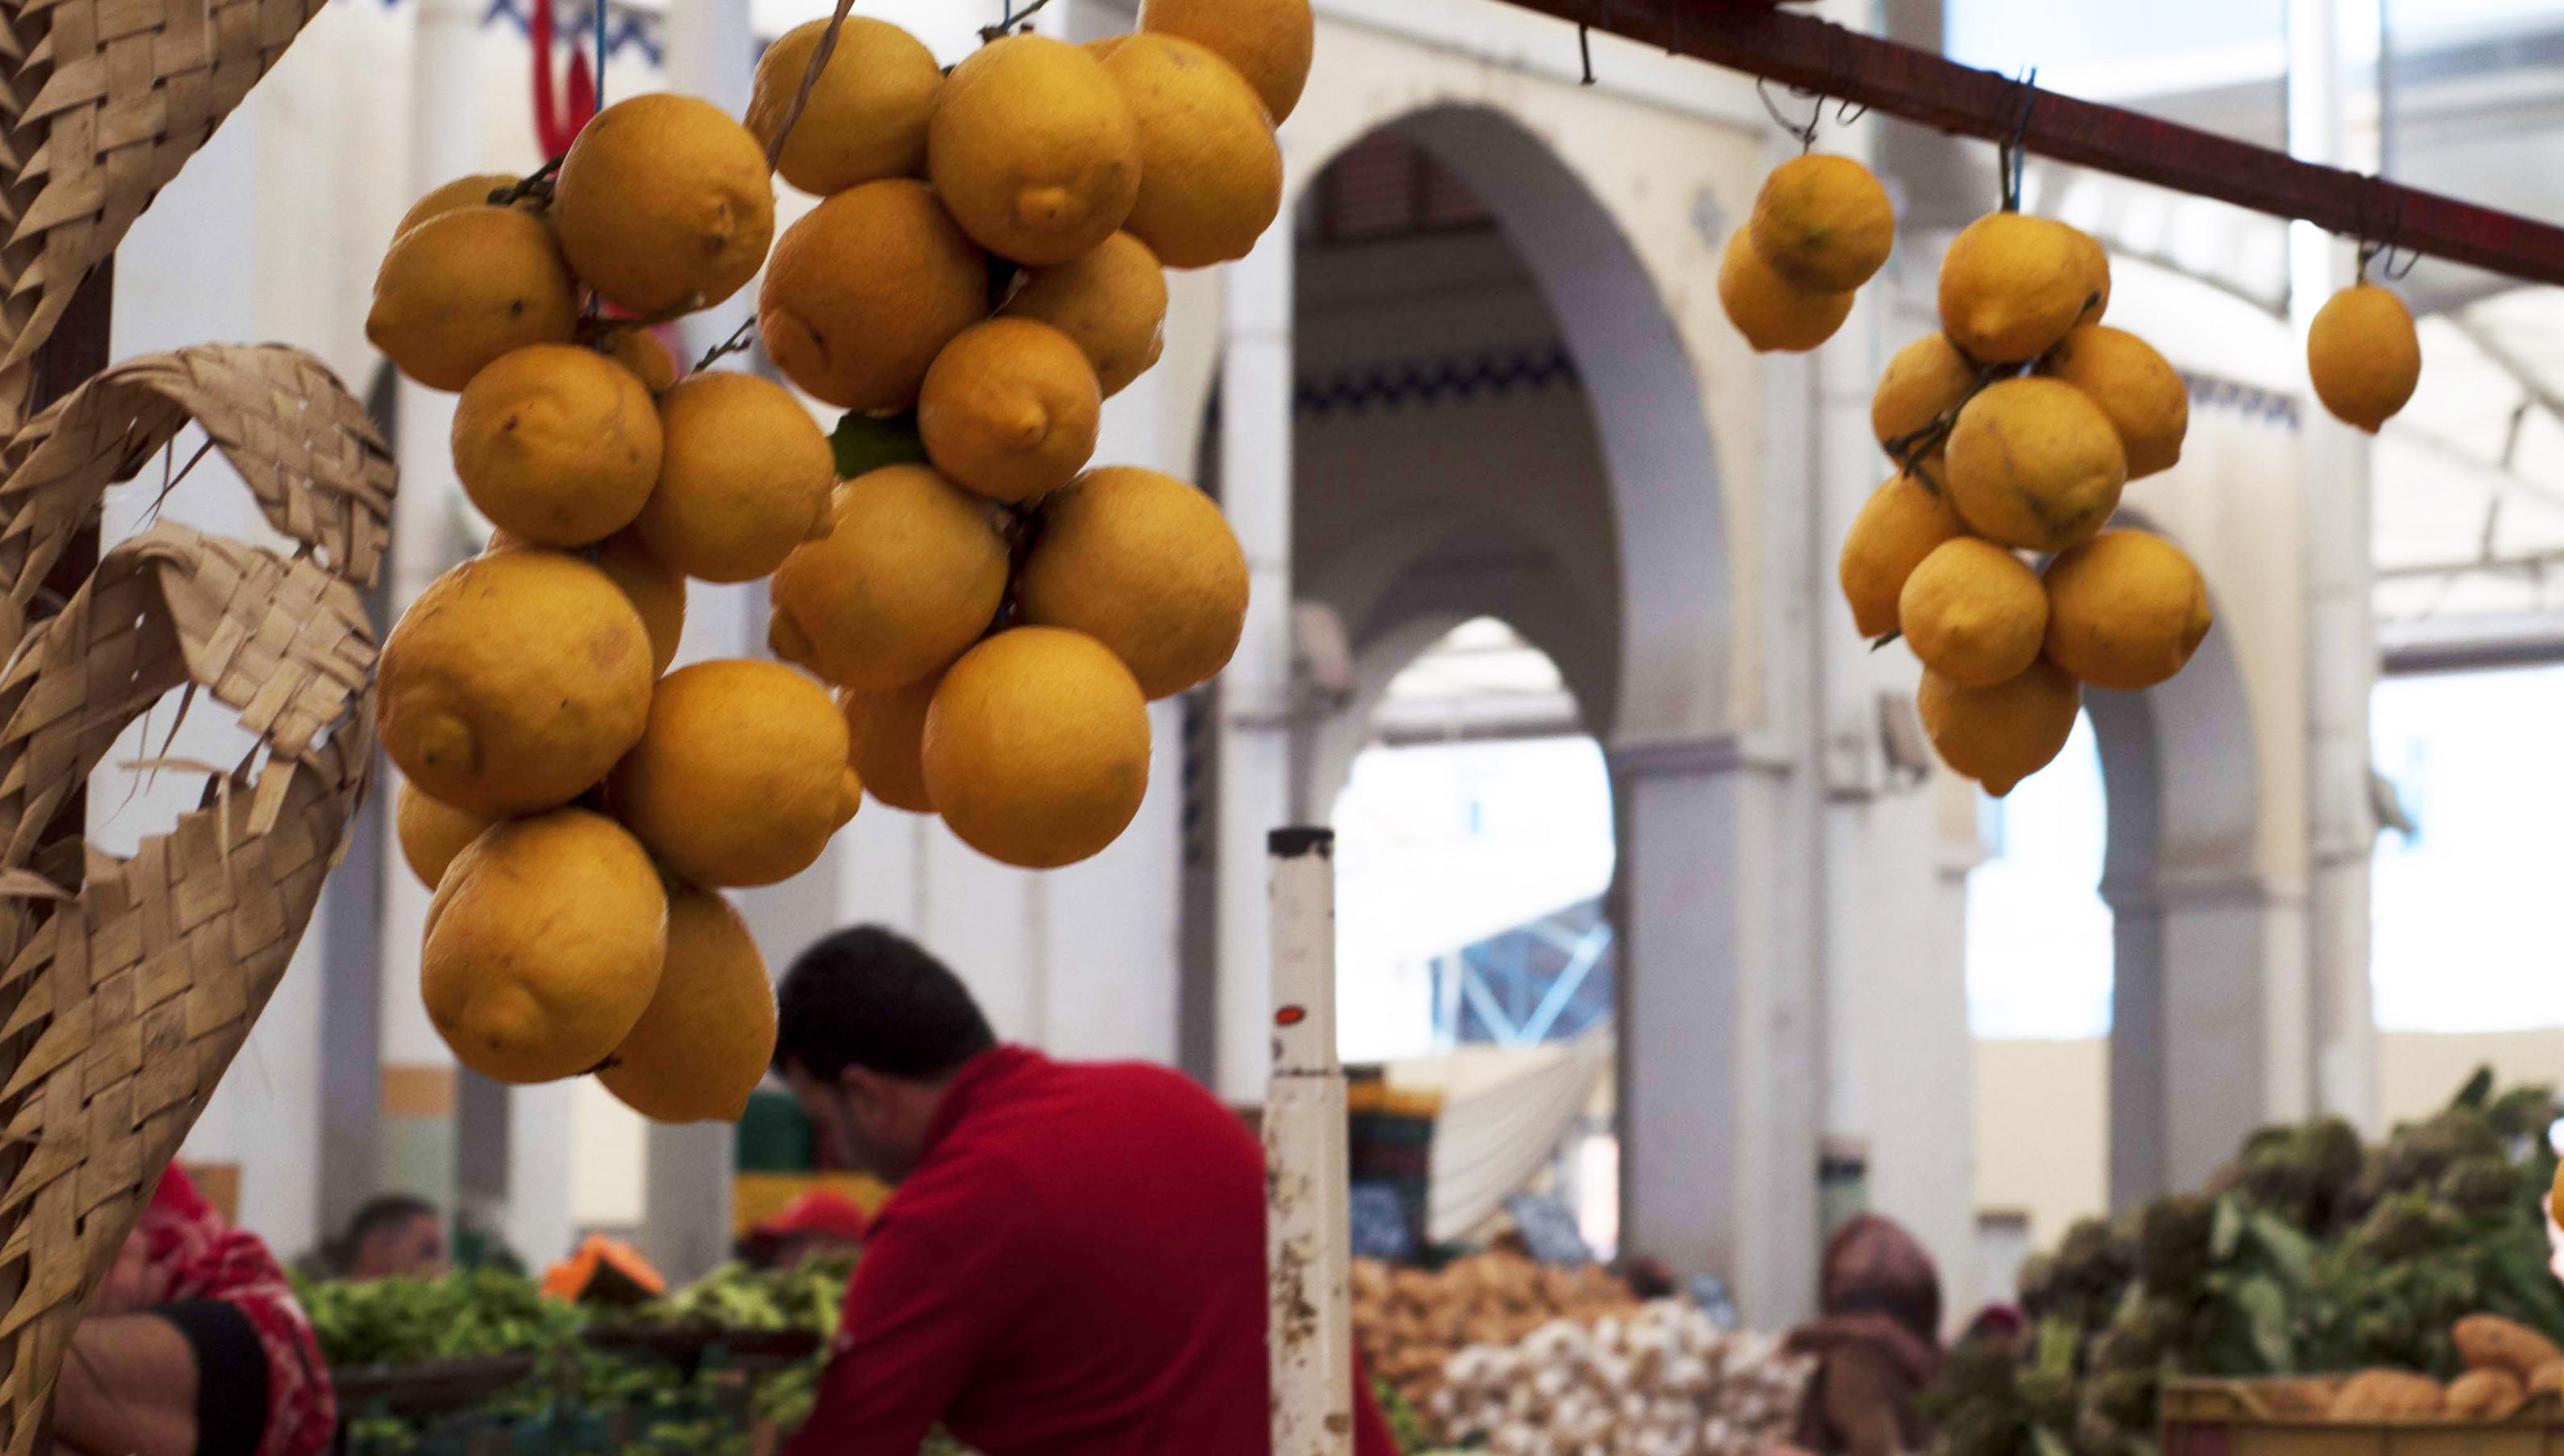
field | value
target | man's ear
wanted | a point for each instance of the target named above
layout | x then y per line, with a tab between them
865	1088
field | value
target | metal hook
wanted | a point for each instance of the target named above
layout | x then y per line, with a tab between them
2383	247
1584	52
1806	131
2012	159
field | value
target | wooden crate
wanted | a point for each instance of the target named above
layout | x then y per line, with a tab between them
2271	1418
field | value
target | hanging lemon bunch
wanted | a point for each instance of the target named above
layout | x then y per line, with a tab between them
1822	227
2014	430
985	268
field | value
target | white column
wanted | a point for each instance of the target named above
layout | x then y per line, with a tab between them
1254	768
2341	644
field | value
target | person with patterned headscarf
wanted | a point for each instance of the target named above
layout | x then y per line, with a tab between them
194	1345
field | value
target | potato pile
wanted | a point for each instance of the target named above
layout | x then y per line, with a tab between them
2014	430
1820	228
1409	1322
986	268
2507	1363
1660	1382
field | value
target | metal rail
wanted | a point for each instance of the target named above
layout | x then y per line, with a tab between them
1895	80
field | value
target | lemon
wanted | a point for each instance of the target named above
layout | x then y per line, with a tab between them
544	947
1112	302
867	115
1823	223
2127	608
639	351
656	589
1037	747
2364	356
465	286
2011	284
742	776
1972	612
664	203
1903	521
910	576
1144	564
2001	734
1211	170
1773	313
1270	42
431	834
2140	390
514	683
1927	379
2034	463
558	445
888	731
1034	150
1011	409
2095	262
865	290
745	477
472	191
707	1036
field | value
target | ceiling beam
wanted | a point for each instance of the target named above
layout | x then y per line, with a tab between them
1753	37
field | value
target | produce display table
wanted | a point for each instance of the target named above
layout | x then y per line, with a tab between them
2252	1418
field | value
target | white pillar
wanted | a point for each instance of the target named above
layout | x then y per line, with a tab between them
2341	643
1254	769
1308	1244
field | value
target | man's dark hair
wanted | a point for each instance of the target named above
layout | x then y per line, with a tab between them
871	999
383	1214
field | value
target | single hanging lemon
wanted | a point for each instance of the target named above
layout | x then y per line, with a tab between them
910	574
2127	609
2034	463
2004	734
515	681
2138	388
1927	379
1210	168
656	589
2011	284
1270	42
558	445
1144	564
867	116
1011	409
472	191
1037	747
1902	522
1112	302
431	834
865	290
465	286
1823	223
707	1038
2364	356
545	944
1972	612
745	477
741	777
664	203
639	351
1774	313
888	731
1033	148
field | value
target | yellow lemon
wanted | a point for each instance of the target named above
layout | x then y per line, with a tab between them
656	589
1927	379
473	191
2127	608
1211	170
639	351
865	290
867	115
1011	409
1034	149
515	681
1037	747
465	286
2095	262
1112	302
664	202
909	575
1903	521
558	445
1823	223
888	731
2001	734
1144	564
544	946
1270	42
2034	463
2364	356
1773	313
431	834
707	1036
745	477
2138	388
742	776
2011	284
1972	612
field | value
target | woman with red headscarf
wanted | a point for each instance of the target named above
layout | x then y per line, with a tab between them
194	1345
1877	1345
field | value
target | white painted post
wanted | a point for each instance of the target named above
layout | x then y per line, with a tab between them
1308	1238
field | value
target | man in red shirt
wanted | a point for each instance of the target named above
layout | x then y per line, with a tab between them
1073	1263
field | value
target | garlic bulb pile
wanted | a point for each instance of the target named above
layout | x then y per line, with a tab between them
1663	1381
1409	1322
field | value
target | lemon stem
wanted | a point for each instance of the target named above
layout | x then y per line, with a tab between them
810	75
1006	26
